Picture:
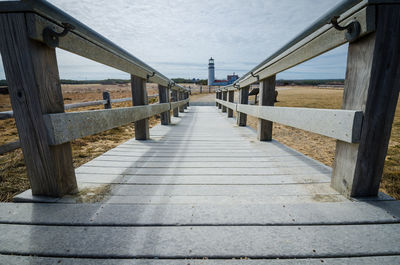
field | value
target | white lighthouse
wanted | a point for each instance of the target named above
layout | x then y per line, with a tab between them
211	72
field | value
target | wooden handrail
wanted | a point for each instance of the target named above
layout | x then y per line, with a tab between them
9	114
344	125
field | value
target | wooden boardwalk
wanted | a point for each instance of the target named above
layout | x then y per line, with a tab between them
201	191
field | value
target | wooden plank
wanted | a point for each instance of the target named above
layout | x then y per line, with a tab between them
231	96
8	147
139	98
241	118
372	84
344	125
202	241
181	98
164	98
64	127
267	98
319	42
173	103
224	98
228	104
34	85
383	260
329	213
177	104
6	115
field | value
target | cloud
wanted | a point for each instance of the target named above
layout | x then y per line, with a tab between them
178	37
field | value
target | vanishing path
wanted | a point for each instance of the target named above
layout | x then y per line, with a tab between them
203	189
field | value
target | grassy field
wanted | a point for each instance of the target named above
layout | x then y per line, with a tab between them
12	168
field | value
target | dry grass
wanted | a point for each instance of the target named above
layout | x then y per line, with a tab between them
13	179
12	168
322	148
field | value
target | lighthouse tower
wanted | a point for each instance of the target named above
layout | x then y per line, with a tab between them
211	72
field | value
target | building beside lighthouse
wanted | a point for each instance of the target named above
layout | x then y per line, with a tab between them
211	76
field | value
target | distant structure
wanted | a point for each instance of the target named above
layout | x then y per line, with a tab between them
211	76
211	72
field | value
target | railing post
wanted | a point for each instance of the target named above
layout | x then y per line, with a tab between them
163	95
219	97
139	98
267	98
224	96
106	96
231	97
34	85
216	97
181	97
372	85
241	118
175	98
185	96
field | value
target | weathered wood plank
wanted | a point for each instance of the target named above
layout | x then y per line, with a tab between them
224	98
163	93
139	98
228	104
174	107
372	85
270	214
203	241
241	118
344	125
64	127
30	260
34	85
267	98
231	96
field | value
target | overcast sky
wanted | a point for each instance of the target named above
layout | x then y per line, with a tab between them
178	37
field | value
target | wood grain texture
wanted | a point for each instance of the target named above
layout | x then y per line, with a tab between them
32	74
65	127
175	98
241	118
231	97
181	97
224	98
164	98
8	147
372	85
267	98
139	98
383	93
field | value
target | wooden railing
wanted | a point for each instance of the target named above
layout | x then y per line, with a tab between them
362	127
30	30
107	102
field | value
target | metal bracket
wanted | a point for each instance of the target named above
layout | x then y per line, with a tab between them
256	76
353	28
148	76
51	38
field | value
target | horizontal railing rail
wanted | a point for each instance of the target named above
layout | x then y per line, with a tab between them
362	127
344	125
65	127
10	114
